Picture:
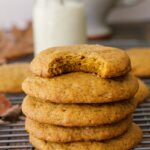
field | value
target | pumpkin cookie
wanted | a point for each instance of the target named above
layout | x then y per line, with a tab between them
105	61
142	93
65	134
125	142
76	114
140	60
79	87
12	76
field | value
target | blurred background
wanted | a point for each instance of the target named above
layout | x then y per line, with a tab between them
20	11
127	19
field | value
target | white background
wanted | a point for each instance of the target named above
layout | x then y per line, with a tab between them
12	11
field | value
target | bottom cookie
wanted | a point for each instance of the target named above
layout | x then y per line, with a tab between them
71	134
125	142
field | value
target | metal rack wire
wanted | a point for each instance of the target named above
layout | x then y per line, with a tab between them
13	136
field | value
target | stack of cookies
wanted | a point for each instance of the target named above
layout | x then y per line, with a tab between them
81	98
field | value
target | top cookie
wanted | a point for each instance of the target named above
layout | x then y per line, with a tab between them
140	60
105	61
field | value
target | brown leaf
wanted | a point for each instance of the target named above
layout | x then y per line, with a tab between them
4	104
12	114
19	43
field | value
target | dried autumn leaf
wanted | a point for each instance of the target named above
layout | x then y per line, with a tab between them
4	104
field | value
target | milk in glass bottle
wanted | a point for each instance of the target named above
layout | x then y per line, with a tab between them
58	23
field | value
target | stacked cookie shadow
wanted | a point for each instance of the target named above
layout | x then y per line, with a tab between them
81	97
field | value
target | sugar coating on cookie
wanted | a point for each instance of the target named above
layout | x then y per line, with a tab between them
142	93
140	60
105	61
79	87
125	142
54	133
77	114
12	76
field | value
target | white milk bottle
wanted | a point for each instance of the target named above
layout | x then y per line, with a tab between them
58	23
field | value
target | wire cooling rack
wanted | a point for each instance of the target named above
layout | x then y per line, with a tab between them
13	135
